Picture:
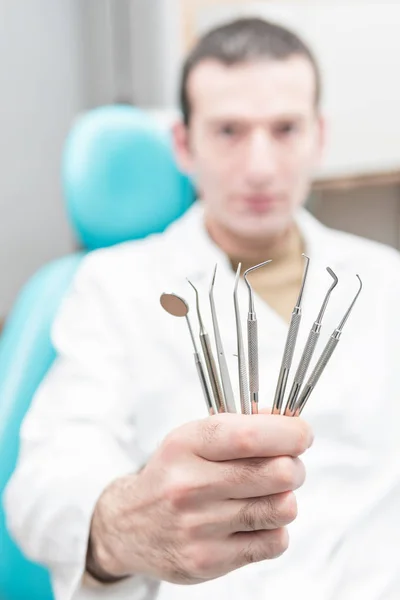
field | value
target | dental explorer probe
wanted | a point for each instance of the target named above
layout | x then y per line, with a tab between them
252	341
209	358
324	358
178	307
289	347
308	350
223	367
243	383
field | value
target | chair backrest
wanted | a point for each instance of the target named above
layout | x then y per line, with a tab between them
120	178
26	353
120	182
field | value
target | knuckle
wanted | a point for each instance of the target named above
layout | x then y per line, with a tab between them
283	509
267	545
271	511
279	542
178	492
286	473
192	527
303	437
244	441
300	473
199	562
289	508
173	445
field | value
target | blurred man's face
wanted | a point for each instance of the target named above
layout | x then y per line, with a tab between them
253	142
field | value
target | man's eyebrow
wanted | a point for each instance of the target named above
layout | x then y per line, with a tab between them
225	118
284	117
290	117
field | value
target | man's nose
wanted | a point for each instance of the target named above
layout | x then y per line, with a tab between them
261	162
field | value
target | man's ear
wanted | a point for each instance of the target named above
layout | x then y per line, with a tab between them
180	139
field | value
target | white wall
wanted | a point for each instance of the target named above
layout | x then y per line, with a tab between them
40	93
156	32
57	58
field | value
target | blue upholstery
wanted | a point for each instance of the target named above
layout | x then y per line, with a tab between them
25	355
120	182
120	162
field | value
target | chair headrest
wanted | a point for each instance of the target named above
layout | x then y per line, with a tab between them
120	178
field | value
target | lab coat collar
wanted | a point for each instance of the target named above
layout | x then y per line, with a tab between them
200	253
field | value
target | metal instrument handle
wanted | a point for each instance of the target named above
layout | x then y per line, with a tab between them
291	340
204	384
213	373
252	340
286	361
302	370
306	357
244	386
316	374
323	361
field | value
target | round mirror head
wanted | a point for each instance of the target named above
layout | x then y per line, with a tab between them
174	305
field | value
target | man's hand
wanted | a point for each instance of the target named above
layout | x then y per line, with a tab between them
217	495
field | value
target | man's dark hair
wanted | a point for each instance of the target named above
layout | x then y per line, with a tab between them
245	40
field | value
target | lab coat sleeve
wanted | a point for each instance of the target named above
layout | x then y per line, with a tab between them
78	436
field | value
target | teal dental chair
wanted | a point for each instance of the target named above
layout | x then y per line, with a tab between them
120	183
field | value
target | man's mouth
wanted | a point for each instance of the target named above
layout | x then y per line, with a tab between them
260	202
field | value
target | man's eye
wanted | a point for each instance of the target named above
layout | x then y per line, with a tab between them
286	129
229	130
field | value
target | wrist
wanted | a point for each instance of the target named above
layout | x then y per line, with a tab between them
95	568
102	556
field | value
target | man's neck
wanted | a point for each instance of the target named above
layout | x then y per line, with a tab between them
282	249
278	284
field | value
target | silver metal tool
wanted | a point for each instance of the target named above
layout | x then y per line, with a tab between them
289	347
252	342
223	367
243	382
324	358
308	350
178	307
209	358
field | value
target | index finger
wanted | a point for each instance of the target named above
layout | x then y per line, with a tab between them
231	436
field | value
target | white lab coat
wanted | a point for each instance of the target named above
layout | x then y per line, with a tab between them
125	377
